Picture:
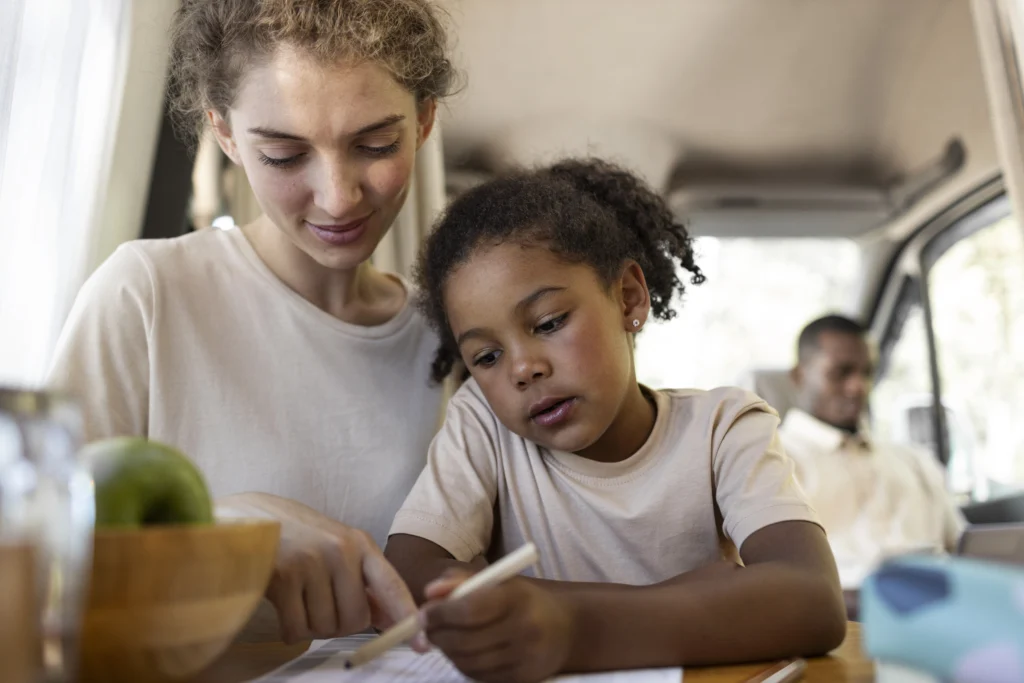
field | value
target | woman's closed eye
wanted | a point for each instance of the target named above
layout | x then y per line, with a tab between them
279	162
379	151
552	324
379	144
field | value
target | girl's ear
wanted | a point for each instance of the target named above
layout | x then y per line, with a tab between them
636	299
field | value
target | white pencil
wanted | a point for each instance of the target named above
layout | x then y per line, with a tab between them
500	571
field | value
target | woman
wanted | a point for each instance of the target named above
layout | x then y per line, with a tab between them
275	355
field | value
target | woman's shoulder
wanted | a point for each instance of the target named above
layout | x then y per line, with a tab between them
143	266
190	252
155	257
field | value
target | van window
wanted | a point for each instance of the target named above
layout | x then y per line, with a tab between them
902	400
758	295
976	291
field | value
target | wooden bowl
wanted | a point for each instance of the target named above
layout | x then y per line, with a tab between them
164	602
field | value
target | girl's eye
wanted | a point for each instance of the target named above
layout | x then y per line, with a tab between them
553	324
279	162
385	151
486	360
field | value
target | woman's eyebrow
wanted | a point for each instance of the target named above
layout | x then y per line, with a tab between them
273	134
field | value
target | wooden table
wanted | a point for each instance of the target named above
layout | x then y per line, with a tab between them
246	661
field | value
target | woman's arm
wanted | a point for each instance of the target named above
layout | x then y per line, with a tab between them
784	602
102	355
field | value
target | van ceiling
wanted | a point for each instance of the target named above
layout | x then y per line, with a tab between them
840	93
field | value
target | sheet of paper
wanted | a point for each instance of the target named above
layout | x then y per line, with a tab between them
324	662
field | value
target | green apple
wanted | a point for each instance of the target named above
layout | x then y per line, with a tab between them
140	482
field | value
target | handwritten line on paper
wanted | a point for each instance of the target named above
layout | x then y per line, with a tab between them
326	664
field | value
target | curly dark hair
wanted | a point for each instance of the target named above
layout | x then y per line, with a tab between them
585	210
214	42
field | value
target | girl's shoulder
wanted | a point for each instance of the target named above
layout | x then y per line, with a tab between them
722	401
695	415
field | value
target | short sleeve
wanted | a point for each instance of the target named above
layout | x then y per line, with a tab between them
755	481
102	355
452	502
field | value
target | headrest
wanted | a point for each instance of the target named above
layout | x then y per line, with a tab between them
774	386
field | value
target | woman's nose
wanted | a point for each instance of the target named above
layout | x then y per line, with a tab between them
340	191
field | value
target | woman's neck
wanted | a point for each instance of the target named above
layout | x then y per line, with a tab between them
629	430
360	296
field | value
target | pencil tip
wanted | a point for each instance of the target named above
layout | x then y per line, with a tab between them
348	664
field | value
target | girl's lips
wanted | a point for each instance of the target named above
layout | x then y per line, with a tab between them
555	413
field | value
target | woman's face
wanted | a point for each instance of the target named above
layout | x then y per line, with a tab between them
328	151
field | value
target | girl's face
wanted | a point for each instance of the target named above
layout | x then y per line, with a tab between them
327	149
551	346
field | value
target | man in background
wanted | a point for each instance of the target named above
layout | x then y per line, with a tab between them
875	499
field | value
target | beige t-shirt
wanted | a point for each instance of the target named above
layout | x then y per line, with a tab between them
875	499
712	464
193	341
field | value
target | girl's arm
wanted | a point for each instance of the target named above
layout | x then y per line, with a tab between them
784	602
420	562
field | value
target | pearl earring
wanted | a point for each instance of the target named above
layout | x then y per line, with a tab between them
636	323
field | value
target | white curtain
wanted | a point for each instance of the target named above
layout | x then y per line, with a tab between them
999	25
61	80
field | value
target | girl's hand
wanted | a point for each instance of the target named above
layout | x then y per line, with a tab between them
516	632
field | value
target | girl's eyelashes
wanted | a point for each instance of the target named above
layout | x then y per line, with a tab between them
486	360
279	162
552	324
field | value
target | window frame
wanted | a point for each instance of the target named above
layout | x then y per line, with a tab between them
906	283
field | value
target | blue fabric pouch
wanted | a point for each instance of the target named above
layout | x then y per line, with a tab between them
956	619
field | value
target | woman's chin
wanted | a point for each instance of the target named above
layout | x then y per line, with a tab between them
340	257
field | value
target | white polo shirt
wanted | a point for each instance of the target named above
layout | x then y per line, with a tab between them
875	499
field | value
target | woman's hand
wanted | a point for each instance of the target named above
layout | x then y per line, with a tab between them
516	632
329	579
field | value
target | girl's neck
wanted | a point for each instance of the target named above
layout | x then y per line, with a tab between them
629	430
359	296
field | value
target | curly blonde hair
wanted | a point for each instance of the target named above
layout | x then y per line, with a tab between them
214	42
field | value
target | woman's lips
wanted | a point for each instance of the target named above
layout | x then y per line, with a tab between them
339	235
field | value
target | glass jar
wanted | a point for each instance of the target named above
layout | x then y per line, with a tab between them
46	501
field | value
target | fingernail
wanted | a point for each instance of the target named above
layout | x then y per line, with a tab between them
421	642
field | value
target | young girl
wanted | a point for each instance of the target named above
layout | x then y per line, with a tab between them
636	499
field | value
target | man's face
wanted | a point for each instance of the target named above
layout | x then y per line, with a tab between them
834	381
